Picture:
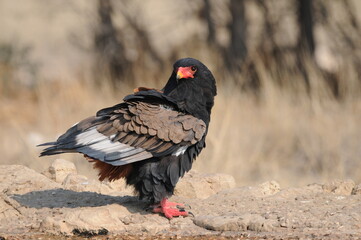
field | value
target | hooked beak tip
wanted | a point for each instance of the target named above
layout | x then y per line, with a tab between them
179	75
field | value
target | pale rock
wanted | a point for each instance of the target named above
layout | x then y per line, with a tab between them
55	225
80	183
203	185
119	186
340	187
18	179
269	188
252	222
8	208
60	169
75	179
219	223
257	223
90	219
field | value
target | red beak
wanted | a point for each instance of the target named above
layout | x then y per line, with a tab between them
184	72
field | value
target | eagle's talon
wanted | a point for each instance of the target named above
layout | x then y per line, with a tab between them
180	207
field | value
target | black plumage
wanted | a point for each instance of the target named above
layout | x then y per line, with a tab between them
151	138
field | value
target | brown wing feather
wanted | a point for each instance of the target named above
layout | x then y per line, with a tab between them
142	125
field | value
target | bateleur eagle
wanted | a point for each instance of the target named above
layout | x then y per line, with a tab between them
150	139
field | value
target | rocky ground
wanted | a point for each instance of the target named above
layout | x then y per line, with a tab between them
60	204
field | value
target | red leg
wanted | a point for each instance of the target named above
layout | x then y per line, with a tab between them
169	209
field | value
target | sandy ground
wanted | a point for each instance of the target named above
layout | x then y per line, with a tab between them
55	206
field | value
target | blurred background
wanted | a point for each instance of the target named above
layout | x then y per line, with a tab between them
288	75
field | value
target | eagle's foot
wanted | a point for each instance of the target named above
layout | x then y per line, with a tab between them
171	209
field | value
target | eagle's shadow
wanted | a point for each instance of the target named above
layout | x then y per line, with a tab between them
61	198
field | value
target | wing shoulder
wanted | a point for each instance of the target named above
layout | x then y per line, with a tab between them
159	121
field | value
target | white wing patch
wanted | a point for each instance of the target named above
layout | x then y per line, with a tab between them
101	147
180	151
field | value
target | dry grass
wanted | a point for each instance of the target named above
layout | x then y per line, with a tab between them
284	133
291	138
292	142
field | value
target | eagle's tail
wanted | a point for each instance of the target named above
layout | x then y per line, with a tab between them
67	143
